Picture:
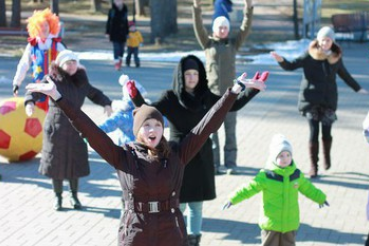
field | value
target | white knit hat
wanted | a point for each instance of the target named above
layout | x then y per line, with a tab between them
64	56
220	21
279	144
123	79
324	32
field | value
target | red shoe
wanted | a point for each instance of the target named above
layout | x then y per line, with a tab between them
118	65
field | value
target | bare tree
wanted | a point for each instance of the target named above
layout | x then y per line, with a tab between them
54	6
95	6
2	13
16	14
163	19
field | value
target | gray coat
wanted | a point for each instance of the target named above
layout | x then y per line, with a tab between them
64	153
220	54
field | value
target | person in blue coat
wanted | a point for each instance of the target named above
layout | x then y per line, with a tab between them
222	8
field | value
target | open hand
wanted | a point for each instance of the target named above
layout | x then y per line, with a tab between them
257	82
48	89
276	56
30	108
108	110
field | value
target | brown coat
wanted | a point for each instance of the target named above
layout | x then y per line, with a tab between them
145	179
64	153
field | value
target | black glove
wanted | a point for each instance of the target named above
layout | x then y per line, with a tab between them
325	203
15	89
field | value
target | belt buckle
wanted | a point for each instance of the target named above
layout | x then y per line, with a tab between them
154	207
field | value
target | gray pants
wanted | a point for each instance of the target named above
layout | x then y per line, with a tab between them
274	238
230	145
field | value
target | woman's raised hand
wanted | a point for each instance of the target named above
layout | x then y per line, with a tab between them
48	89
257	82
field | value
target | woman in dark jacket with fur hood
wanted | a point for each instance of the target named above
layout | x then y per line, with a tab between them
318	91
184	106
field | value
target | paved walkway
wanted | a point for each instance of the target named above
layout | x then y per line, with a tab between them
26	197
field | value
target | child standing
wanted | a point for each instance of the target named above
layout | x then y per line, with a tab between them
133	43
280	183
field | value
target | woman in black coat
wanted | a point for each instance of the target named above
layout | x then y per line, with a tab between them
117	30
184	106
318	91
64	153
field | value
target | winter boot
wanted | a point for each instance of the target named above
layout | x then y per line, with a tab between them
327	144
313	152
58	202
76	204
73	184
194	240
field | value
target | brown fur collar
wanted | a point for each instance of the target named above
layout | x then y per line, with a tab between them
318	54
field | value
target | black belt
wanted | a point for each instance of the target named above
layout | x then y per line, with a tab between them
152	206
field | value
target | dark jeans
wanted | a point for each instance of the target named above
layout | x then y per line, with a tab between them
118	48
314	130
134	51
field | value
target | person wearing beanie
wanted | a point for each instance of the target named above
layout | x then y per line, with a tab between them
64	153
117	30
42	48
150	170
318	97
220	51
184	106
134	42
280	182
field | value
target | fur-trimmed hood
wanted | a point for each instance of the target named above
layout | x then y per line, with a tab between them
190	102
316	53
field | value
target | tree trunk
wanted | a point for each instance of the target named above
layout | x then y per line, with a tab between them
95	6
163	19
140	7
2	13
295	20
54	6
16	14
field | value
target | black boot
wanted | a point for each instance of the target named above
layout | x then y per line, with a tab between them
313	152
194	240
58	201
76	204
327	144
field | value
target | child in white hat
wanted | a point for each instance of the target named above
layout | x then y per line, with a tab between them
280	181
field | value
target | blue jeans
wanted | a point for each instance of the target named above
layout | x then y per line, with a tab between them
194	217
118	48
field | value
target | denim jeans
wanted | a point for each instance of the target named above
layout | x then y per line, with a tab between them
193	217
134	51
118	48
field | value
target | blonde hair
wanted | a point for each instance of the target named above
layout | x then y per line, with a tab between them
38	17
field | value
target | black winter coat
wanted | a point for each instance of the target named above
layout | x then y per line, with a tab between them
183	112
117	24
64	153
147	180
318	85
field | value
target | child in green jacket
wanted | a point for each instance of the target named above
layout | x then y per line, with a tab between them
280	183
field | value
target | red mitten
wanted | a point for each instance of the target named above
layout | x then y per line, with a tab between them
131	88
256	76
264	76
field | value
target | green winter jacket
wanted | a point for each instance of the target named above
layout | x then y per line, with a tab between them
280	187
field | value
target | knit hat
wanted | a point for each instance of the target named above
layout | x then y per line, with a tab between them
143	113
123	79
324	32
190	64
220	21
64	56
279	144
131	23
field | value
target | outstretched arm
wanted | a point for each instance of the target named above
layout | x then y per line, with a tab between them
97	139
245	27
201	34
